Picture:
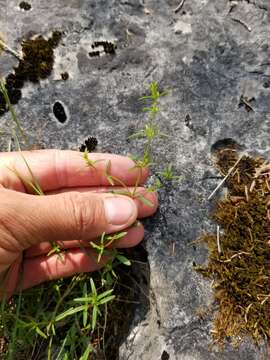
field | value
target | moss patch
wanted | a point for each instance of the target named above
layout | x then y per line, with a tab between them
36	64
239	253
89	144
106	46
25	5
65	76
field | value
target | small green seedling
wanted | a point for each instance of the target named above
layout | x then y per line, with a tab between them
90	163
105	242
89	301
150	132
108	273
155	93
154	187
134	194
153	109
94	301
142	163
168	174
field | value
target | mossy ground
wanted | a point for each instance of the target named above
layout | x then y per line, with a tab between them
239	252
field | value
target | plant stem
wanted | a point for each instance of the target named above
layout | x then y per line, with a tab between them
13	114
8	49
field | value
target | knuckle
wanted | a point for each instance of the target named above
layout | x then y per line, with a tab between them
85	213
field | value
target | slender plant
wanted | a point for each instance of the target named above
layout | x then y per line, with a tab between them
73	313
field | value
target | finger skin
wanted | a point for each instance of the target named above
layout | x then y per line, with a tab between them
134	237
11	278
42	268
56	169
144	210
30	219
26	220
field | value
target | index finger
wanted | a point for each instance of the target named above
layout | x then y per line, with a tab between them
57	169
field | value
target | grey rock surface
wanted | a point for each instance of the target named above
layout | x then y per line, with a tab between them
208	55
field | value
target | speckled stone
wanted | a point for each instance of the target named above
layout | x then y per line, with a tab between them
207	59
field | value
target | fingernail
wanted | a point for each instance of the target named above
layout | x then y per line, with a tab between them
119	210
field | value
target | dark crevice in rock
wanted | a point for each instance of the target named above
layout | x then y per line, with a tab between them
257	5
59	112
132	301
165	356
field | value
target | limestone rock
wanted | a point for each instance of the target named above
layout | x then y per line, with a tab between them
208	55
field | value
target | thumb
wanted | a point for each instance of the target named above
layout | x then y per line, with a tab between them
30	219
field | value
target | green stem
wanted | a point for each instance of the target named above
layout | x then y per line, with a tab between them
13	114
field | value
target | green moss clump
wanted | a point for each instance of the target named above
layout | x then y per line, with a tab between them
54	40
239	255
37	60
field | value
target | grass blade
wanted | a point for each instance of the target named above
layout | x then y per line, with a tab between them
69	312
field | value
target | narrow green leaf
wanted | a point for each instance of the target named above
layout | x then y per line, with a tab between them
114	274
88	299
56	249
95	246
35	180
123	260
85	311
104	294
94	317
121	192
117	236
145	201
87	352
109	279
69	312
15	119
106	300
93	287
41	333
110	179
146	97
85	315
62	348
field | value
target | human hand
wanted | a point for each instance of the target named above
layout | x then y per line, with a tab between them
77	210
